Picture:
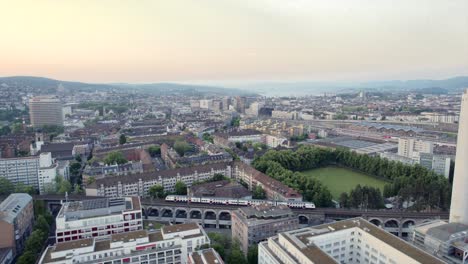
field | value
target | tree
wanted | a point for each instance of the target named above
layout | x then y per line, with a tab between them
259	193
35	240
252	254
236	256
17	128
42	224
77	189
6	187
344	200
122	139
207	137
235	121
156	191
65	187
90	180
5	130
154	150
218	177
115	157
182	147
180	188
22	188
75	168
27	257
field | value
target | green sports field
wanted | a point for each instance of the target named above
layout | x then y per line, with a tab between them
340	180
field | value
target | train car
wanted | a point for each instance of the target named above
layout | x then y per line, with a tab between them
244	202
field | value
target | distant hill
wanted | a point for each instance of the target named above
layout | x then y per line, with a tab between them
272	88
51	85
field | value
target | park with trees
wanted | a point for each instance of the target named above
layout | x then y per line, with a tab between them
415	183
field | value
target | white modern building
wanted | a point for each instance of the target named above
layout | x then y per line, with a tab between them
348	241
171	244
47	172
408	146
98	218
38	171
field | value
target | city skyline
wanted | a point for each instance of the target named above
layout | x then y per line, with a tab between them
218	41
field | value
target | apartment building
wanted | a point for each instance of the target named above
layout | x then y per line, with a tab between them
408	146
139	184
38	171
251	225
171	244
274	189
274	141
348	241
45	110
16	221
101	217
448	241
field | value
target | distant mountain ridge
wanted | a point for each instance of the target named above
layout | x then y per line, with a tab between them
268	88
274	88
153	88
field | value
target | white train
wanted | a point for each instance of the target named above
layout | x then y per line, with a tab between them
230	201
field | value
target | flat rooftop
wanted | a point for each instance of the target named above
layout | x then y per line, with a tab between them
206	256
179	228
314	253
13	205
98	207
265	211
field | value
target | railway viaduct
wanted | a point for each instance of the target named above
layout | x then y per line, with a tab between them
219	216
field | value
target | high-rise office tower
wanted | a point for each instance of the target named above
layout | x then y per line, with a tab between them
459	205
45	110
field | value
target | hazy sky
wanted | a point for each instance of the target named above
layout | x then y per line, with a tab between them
193	40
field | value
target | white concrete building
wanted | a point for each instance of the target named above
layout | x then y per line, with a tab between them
408	146
292	115
47	172
273	141
348	241
22	170
206	104
98	218
171	244
37	171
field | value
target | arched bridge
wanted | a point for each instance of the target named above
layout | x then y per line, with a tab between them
219	216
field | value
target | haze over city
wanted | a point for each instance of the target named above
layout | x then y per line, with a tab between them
231	41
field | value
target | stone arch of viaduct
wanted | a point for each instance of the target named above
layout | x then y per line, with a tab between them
221	218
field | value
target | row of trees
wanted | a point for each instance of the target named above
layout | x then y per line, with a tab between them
7	188
409	182
363	197
35	241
